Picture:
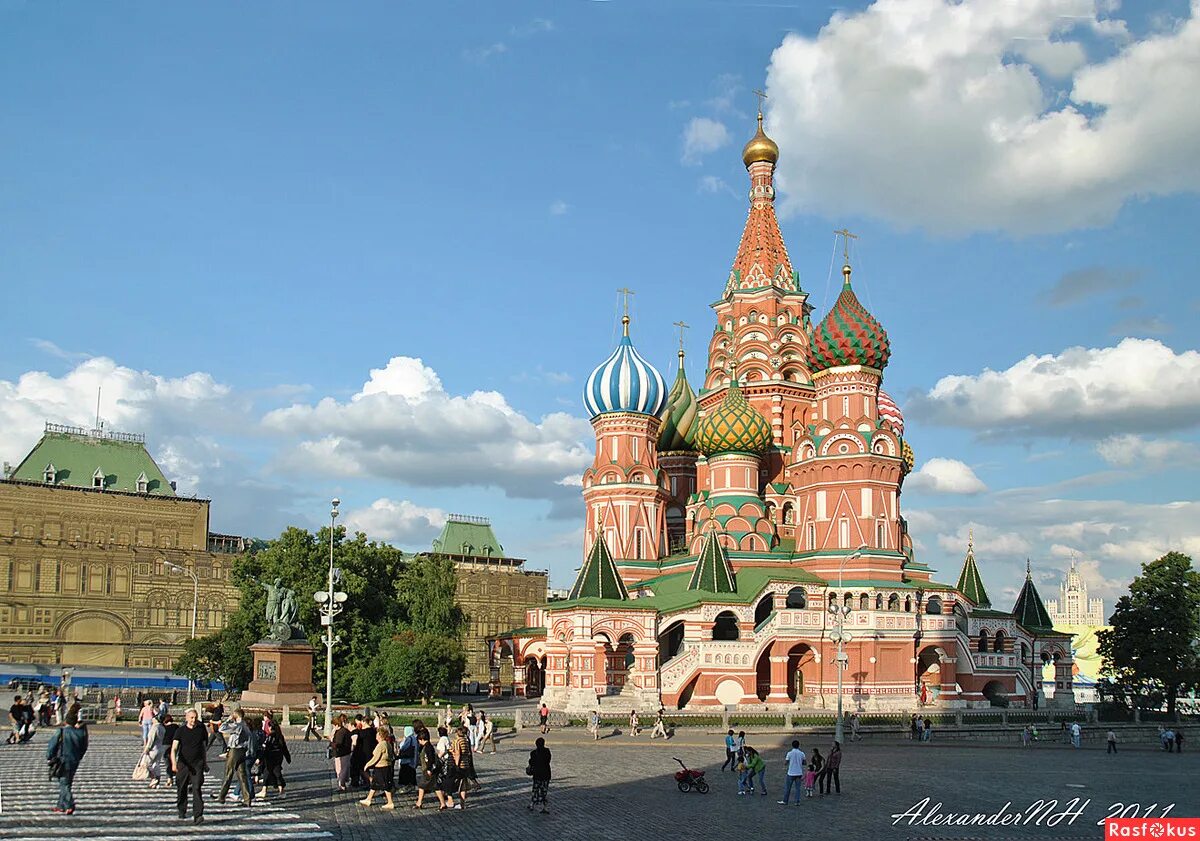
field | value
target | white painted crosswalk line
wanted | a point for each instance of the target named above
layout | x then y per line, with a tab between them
113	807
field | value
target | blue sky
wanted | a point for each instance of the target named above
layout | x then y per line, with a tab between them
229	216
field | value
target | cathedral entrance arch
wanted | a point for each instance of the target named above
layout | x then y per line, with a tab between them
801	672
993	690
535	677
93	638
929	674
670	641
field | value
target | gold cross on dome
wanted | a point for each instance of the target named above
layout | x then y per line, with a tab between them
846	237
625	293
682	326
762	97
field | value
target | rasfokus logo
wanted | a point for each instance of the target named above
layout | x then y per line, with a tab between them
1152	828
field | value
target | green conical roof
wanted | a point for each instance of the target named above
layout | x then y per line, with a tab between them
598	577
1029	610
713	572
970	583
679	416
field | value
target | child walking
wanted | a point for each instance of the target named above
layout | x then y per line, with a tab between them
815	764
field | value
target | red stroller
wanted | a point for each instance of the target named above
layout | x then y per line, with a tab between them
687	779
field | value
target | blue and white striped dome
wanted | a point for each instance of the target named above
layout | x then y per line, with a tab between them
625	382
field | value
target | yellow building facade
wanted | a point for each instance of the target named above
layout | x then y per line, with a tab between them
98	554
494	590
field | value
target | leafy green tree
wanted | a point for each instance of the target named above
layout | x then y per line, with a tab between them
427	588
1150	652
414	664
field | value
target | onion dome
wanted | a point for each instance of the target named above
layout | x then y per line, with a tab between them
625	382
679	416
907	459
890	413
733	426
760	147
849	335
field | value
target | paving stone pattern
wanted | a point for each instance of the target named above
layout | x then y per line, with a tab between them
620	788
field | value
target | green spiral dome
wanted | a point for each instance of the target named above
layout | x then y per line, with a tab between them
733	426
678	432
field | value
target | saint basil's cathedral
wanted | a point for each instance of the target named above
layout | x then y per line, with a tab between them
729	532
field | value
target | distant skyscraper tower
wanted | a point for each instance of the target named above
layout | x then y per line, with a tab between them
1073	607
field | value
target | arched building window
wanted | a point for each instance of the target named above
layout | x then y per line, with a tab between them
726	626
983	640
797	599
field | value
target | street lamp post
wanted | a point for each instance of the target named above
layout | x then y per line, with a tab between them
839	614
195	606
331	602
917	647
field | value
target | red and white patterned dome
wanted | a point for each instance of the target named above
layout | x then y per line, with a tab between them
890	413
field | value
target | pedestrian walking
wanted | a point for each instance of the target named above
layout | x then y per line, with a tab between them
544	718
1076	734
912	727
153	750
274	753
447	771
145	716
594	725
795	760
216	718
16	717
1179	740
379	768
920	729
341	745
489	733
854	725
831	773
464	766
427	768
730	752
1111	738
189	755
1025	736
660	726
64	753
635	723
170	727
539	770
406	753
310	725
928	731
236	737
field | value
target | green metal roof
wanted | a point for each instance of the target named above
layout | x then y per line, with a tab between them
598	577
76	455
1029	610
712	572
469	536
970	583
671	591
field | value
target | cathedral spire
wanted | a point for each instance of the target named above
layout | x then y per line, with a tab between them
762	260
713	571
1029	609
970	582
598	577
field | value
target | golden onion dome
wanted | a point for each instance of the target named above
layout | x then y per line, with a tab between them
760	147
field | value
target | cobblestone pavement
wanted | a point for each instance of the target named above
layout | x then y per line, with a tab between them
622	787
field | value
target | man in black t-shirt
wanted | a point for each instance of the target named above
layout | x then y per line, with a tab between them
190	756
16	714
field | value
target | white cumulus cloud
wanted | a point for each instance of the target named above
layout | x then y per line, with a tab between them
947	476
397	521
703	135
1137	450
961	115
1138	385
403	425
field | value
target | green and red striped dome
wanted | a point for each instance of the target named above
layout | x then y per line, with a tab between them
849	335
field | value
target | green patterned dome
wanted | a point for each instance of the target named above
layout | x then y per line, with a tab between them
848	335
733	426
679	416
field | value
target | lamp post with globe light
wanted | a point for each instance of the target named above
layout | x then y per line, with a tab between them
331	602
839	614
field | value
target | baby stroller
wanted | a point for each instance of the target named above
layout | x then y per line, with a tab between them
687	779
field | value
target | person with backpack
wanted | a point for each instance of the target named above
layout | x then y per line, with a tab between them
64	753
379	768
236	737
539	770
